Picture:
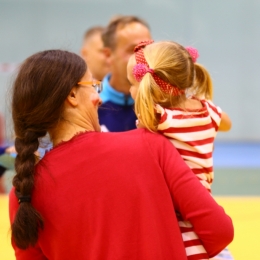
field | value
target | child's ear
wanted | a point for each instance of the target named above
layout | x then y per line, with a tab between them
72	97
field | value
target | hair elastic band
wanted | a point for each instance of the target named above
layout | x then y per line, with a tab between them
193	53
24	199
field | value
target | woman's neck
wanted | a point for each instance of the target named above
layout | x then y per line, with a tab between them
65	130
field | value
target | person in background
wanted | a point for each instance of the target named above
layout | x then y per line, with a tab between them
92	51
116	113
160	74
2	151
82	201
2	184
5	154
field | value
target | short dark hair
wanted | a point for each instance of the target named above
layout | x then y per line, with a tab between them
93	30
109	33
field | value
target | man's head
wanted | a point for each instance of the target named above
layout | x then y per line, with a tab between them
92	52
120	37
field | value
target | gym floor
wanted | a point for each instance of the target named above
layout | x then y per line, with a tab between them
236	188
245	212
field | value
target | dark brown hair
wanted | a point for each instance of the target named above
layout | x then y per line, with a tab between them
43	82
120	21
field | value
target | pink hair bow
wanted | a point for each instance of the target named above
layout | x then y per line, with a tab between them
193	53
139	70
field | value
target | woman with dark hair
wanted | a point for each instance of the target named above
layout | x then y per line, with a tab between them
96	195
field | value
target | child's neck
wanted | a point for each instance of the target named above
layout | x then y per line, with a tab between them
190	104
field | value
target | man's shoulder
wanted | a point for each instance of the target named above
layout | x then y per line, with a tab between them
110	104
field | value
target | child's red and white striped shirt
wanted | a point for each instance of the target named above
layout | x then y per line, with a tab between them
192	132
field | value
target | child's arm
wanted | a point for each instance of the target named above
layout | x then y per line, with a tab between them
225	123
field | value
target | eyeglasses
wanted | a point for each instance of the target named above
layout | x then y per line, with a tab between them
97	85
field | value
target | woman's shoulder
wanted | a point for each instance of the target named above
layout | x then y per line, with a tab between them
157	141
135	138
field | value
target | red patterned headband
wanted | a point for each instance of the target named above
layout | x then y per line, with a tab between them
142	67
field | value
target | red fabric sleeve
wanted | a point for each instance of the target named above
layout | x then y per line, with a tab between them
194	202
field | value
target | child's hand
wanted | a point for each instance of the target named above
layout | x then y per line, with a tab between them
138	122
10	149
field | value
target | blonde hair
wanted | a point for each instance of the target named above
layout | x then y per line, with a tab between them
172	63
203	85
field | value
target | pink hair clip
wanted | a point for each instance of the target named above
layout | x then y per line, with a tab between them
193	53
139	70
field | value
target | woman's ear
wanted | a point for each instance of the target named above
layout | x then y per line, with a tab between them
72	97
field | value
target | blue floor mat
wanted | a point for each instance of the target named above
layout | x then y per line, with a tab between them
236	155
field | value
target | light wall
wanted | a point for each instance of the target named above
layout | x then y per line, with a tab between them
226	33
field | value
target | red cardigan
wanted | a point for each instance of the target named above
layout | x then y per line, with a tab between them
114	195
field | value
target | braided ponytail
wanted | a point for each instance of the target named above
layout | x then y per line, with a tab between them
28	220
39	91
